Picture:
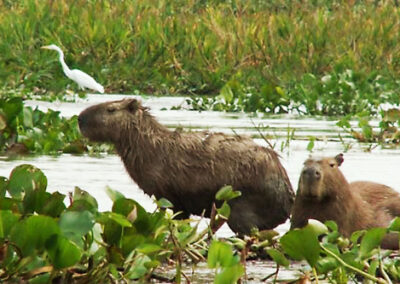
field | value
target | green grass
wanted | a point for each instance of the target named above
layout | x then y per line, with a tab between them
200	47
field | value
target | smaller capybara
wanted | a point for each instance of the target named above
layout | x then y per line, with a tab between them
324	194
188	168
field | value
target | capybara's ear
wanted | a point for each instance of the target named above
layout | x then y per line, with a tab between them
339	159
133	105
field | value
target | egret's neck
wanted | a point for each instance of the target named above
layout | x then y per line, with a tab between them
64	65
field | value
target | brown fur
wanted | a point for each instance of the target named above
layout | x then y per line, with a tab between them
189	168
324	194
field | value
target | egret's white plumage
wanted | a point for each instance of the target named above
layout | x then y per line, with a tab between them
81	78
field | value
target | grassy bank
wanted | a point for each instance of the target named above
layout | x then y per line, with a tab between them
268	50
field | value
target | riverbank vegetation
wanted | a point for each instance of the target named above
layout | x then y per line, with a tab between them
316	57
79	244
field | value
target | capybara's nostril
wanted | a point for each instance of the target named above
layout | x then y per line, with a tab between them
312	173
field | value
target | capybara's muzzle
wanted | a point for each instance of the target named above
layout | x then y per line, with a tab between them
311	174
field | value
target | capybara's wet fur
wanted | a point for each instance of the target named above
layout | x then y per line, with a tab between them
189	168
324	194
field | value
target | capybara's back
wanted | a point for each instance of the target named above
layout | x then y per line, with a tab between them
379	196
189	168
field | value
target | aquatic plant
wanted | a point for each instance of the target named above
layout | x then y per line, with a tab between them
44	239
255	56
25	130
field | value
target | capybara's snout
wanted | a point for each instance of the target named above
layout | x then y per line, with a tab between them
311	173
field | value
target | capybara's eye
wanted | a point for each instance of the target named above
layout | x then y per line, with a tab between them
110	109
332	165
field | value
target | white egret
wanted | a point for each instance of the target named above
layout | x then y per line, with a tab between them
81	78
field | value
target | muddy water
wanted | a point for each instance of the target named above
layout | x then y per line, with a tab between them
94	174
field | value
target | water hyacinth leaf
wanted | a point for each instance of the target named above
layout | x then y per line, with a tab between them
148	248
372	239
220	255
34	200
302	244
278	257
76	223
225	210
118	218
62	252
54	205
113	194
26	236
229	275
10	204
26	178
82	200
138	268
395	225
326	264
318	227
11	108
164	203
227	193
7	221
331	225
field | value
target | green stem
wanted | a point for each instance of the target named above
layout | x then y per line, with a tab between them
315	274
355	269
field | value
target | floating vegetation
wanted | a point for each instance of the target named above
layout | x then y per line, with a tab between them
43	238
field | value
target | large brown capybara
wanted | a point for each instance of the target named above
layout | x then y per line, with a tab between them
189	168
324	194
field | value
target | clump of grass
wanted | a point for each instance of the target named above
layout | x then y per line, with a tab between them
192	47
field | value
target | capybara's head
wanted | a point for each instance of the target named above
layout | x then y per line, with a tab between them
320	178
106	122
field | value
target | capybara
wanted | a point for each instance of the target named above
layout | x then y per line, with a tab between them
324	194
189	168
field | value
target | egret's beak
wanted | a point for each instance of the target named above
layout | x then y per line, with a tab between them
46	47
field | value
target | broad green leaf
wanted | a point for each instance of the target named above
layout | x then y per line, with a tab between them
164	203
11	108
76	223
63	253
229	275
33	232
26	178
113	194
118	218
278	257
372	239
54	205
34	201
138	268
395	225
220	254
82	200
7	221
225	210
326	264
302	244
148	248
227	193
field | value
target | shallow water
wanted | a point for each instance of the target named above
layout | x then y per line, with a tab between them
94	174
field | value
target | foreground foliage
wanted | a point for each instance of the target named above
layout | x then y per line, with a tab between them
319	57
43	239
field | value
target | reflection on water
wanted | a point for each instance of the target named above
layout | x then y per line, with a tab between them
94	174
